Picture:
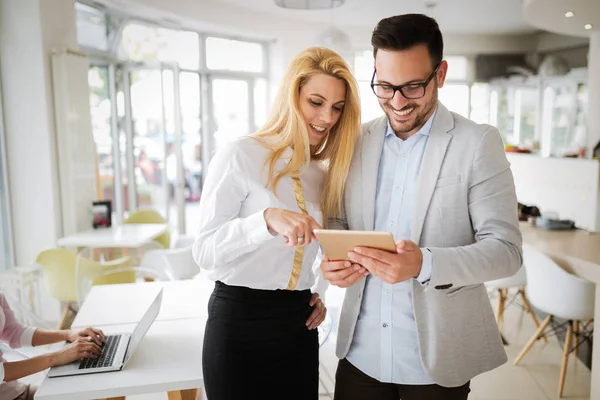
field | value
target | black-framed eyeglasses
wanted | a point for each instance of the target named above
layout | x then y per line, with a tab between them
410	91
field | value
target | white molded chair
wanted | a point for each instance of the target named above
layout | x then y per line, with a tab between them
562	295
183	241
503	287
177	263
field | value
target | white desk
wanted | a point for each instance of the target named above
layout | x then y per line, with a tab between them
181	300
169	358
122	236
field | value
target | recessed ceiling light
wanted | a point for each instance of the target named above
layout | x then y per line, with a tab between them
569	14
588	26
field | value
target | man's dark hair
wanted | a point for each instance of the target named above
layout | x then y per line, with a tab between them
403	32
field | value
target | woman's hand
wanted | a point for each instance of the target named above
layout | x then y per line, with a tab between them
318	314
88	334
296	228
78	350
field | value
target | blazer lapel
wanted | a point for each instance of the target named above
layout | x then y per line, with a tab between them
439	138
370	155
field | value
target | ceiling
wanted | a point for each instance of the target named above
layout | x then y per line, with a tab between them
454	16
550	15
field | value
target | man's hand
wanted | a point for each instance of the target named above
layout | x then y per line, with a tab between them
342	273
390	267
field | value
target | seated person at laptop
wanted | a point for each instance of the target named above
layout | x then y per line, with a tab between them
85	343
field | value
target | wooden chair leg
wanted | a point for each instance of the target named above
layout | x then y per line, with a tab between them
533	339
500	311
64	317
189	394
587	324
576	336
115	398
565	361
530	312
67	318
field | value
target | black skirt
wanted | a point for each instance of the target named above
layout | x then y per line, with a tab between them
257	345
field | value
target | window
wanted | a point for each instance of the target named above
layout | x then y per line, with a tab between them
455	94
234	55
260	103
480	103
151	43
455	97
458	67
363	72
92	27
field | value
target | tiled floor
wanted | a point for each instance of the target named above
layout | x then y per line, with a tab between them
536	378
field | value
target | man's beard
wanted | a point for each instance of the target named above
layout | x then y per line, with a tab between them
421	114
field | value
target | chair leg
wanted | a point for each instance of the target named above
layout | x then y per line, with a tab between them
67	318
576	336
587	324
533	339
530	312
565	361
500	311
190	394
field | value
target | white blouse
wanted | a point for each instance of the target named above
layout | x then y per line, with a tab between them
233	244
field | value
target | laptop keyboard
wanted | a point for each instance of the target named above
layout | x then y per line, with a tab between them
107	357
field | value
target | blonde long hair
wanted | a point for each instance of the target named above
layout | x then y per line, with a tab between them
285	127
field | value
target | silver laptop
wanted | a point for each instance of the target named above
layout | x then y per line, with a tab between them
116	351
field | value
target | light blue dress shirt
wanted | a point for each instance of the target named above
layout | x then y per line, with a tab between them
385	344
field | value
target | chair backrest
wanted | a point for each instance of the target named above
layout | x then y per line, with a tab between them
150	216
176	263
58	270
517	280
182	241
554	291
97	267
23	314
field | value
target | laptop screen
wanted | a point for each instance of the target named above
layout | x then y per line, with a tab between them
143	326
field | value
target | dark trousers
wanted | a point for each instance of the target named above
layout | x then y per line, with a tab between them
257	345
352	384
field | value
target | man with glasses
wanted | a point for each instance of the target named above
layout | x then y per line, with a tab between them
420	325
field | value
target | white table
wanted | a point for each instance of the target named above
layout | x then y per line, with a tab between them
181	300
169	358
120	236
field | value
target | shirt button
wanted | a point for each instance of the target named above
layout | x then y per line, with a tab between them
404	156
392	223
385	325
398	189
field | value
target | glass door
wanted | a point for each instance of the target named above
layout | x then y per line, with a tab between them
149	121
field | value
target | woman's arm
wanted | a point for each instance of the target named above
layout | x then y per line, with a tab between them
42	337
79	349
222	234
18	369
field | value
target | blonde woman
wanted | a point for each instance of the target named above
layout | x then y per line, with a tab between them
263	196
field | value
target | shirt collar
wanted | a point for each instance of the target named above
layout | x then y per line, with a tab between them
425	129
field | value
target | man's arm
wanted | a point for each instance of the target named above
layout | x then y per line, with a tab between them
497	252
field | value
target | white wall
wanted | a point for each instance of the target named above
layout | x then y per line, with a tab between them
548	41
29	128
29	32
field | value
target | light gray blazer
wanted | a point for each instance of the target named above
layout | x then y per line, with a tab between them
466	213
